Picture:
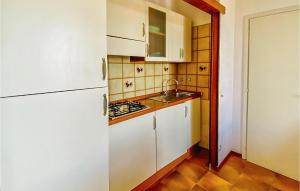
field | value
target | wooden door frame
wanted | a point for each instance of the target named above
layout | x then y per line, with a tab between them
214	9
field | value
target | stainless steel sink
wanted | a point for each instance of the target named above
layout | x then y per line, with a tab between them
172	97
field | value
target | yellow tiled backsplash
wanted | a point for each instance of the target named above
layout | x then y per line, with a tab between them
130	79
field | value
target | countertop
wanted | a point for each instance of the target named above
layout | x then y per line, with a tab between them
152	106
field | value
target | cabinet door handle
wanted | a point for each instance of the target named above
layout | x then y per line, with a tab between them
104	105
104	69
147	50
154	122
182	52
144	30
186	111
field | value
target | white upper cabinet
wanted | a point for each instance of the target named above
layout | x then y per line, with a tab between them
175	37
126	27
168	35
187	40
156	33
126	19
179	38
52	45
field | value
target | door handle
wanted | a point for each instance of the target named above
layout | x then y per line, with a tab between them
185	111
182	53
104	105
104	69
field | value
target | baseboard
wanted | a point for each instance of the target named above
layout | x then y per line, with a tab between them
155	178
161	173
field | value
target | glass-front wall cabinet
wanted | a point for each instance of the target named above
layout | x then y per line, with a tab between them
156	47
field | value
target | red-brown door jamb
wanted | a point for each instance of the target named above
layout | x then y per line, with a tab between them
214	80
214	92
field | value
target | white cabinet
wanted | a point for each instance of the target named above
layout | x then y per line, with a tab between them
168	35
179	37
193	119
187	40
171	134
175	36
56	141
126	27
132	152
156	33
49	46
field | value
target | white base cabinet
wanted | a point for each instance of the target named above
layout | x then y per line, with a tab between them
132	152
141	146
193	121
171	134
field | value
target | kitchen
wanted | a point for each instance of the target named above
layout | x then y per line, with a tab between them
167	81
149	95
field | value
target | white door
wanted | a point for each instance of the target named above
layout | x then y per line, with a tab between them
126	19
52	45
193	120
56	141
171	134
132	152
273	99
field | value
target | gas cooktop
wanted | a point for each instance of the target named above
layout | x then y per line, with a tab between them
120	109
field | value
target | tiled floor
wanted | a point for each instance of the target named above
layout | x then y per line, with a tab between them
235	175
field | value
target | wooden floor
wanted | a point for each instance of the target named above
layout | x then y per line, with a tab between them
235	175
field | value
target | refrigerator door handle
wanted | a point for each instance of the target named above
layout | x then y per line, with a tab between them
104	69
104	105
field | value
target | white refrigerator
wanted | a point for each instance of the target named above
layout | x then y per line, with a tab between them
54	124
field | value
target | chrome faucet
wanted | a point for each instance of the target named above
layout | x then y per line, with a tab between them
166	92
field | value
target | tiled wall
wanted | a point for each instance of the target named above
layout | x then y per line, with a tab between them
195	76
130	79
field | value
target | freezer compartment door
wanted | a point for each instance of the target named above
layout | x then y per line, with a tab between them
52	45
56	141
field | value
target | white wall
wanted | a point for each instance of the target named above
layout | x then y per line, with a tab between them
231	49
243	8
198	17
227	25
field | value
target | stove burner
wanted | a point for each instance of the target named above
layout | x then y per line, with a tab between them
117	110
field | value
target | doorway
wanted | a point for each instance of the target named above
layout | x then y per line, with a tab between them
214	77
